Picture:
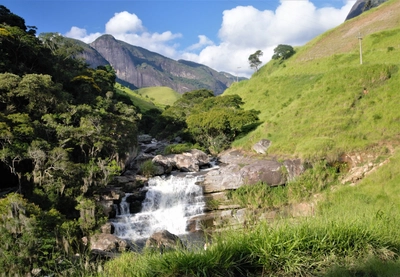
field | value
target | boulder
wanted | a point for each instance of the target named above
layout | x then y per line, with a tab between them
267	171
191	161
262	146
107	243
164	240
145	139
238	169
107	228
294	168
167	163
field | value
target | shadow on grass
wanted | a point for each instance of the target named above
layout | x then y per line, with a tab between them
370	268
248	128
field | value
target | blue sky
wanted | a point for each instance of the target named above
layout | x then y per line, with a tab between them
220	33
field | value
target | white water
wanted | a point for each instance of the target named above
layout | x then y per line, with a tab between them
169	203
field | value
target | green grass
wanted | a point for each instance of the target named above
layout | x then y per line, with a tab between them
161	95
141	102
321	113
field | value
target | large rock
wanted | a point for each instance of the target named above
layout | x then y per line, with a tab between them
190	161
107	243
164	240
262	146
238	169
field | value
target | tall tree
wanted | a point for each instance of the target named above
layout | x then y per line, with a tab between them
254	59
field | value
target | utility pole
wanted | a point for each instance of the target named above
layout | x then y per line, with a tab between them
360	40
237	74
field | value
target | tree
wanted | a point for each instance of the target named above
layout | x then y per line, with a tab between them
254	59
283	52
216	121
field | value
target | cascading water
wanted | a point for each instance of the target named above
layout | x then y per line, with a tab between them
168	205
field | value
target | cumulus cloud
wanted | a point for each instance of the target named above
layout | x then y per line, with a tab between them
243	31
128	27
203	41
81	34
124	22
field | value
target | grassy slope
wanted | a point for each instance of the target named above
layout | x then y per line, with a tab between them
310	105
139	101
161	95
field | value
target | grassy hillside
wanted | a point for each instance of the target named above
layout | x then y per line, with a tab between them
161	95
143	103
313	106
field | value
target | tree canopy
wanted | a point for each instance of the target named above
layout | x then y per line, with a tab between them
283	52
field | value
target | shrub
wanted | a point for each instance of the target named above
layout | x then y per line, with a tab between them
147	168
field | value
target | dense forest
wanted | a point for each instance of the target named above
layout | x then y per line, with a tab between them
64	133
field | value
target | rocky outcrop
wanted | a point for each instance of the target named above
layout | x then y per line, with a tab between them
190	161
238	169
361	6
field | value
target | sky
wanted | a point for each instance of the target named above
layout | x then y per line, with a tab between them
221	34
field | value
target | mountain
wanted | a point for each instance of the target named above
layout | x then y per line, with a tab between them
361	6
137	67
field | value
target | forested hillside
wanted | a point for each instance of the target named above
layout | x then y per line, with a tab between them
64	133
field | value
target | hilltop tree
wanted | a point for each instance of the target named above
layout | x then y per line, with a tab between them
283	52
254	59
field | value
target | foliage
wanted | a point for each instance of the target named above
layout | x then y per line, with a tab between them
254	59
283	52
216	122
258	196
180	148
147	168
63	136
172	121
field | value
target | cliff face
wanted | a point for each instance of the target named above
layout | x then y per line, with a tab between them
361	6
139	67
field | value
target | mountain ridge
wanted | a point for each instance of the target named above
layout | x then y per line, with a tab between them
138	67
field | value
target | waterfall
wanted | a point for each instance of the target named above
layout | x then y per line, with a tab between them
169	203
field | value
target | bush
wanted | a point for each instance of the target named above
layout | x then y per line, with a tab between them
147	168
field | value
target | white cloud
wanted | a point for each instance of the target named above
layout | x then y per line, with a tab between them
243	31
123	23
129	28
81	34
203	41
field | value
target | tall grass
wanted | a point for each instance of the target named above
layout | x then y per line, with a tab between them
304	248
